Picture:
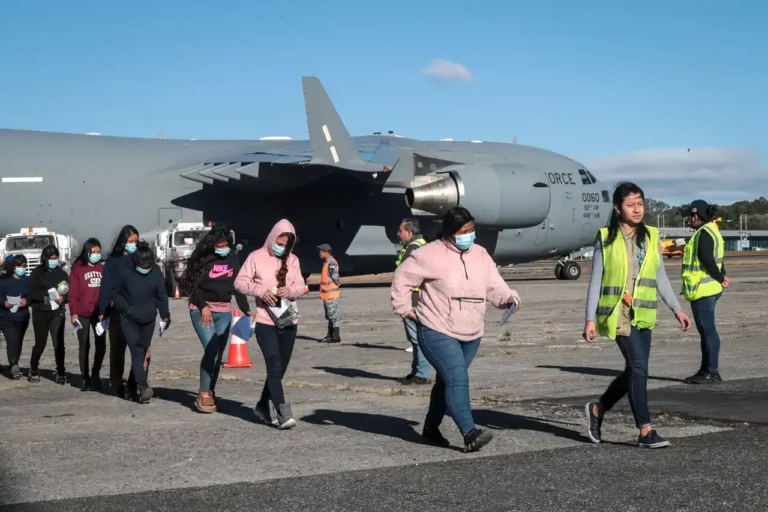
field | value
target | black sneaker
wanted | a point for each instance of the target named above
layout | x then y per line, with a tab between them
15	372
476	439
120	391
86	386
145	394
705	378
61	378
689	380
96	384
33	376
413	379
434	437
594	423
652	440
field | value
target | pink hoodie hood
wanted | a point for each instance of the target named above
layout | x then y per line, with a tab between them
259	272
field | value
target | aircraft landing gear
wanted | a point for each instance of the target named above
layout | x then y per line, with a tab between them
567	270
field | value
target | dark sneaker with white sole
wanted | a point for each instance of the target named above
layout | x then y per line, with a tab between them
594	423
704	378
652	440
476	439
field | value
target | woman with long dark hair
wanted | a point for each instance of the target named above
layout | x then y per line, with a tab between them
628	276
84	289
455	277
14	316
273	276
120	260
47	312
209	280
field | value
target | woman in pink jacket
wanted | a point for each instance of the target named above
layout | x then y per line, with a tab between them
455	278
270	274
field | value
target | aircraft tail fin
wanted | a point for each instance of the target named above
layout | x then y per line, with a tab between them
329	139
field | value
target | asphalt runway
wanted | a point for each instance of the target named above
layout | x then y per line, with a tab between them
357	445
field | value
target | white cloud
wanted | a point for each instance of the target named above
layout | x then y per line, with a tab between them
447	71
717	174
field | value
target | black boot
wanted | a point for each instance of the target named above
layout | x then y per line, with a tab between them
328	336
335	338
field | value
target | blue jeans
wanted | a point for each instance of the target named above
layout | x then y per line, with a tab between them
704	316
419	365
636	349
451	359
214	340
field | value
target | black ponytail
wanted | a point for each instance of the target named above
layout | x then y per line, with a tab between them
622	191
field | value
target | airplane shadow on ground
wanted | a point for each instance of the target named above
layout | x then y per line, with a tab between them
187	399
601	372
354	373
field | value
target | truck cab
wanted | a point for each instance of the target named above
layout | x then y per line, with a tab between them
31	241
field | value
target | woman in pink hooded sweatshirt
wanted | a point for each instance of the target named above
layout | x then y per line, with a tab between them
270	274
455	277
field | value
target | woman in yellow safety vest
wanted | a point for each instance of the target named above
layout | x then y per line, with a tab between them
627	277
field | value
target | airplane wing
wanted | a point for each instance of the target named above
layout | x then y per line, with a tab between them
329	146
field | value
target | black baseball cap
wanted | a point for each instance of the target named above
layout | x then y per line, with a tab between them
699	206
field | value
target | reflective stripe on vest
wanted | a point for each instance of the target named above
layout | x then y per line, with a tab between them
328	289
615	268
697	283
419	242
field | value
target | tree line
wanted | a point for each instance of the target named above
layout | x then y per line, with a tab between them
659	212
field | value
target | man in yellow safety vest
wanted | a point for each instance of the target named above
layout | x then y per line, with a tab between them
409	233
704	279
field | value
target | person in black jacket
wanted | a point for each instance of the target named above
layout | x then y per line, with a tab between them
120	258
138	295
209	281
47	313
14	324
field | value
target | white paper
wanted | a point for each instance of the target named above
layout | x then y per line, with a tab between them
102	326
509	312
53	295
280	309
76	327
161	330
16	301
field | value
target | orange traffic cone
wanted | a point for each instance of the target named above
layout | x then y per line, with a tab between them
238	350
177	295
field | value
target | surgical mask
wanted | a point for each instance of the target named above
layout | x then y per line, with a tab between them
277	250
222	252
464	242
20	271
130	248
143	271
94	258
52	264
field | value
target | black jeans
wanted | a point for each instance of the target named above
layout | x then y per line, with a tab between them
138	337
84	337
276	347
704	316
14	338
45	323
636	349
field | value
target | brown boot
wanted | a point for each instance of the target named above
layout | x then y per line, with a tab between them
205	402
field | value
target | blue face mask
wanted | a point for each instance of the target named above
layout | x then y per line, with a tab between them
130	248
277	250
223	251
464	242
143	271
20	271
52	264
94	258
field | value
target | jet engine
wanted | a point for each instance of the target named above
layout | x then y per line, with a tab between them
500	195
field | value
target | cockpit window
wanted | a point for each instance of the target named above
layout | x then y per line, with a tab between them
584	177
606	197
591	177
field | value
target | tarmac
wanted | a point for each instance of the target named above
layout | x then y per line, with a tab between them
357	444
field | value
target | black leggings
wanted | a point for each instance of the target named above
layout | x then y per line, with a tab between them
45	323
117	346
14	338
138	337
277	347
84	337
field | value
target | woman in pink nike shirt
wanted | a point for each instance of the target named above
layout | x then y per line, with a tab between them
209	281
455	278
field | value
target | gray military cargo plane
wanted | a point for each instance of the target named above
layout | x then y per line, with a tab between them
350	192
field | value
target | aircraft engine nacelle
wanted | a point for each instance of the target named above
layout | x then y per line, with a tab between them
500	195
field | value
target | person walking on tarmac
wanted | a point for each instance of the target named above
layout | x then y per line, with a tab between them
48	312
456	277
409	233
210	281
330	284
272	275
14	316
120	258
84	290
628	276
704	279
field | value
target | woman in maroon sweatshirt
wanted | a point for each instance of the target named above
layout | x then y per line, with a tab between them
84	288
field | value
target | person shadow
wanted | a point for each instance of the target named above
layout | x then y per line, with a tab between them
354	373
600	372
498	420
379	424
187	399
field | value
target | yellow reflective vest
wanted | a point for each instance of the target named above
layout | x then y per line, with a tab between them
418	242
615	269
697	284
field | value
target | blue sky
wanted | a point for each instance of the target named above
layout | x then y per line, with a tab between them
589	79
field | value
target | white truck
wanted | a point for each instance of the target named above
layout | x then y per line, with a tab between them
31	241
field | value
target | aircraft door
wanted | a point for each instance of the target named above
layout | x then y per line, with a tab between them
541	236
